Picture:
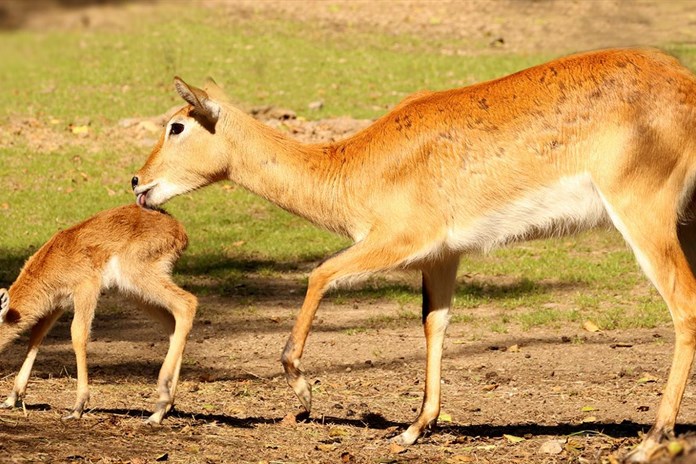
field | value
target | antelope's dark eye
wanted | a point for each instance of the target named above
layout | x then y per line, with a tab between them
176	128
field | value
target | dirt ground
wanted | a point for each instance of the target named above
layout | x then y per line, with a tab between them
544	396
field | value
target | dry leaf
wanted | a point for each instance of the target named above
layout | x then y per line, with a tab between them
486	447
588	408
337	432
675	448
395	448
647	378
513	438
589	419
514	349
444	417
5	206
590	326
551	447
326	447
77	130
289	419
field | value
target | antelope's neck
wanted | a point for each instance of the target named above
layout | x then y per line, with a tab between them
301	178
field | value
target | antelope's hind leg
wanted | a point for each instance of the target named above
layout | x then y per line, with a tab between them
38	333
665	251
175	309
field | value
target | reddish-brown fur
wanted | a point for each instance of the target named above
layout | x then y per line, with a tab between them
128	248
606	137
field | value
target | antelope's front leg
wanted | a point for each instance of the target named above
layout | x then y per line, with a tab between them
364	257
295	346
438	289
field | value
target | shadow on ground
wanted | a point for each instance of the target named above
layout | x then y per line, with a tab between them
623	429
264	280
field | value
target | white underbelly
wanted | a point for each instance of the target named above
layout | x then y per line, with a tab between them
113	275
571	205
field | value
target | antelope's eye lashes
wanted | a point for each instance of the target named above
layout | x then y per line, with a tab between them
176	128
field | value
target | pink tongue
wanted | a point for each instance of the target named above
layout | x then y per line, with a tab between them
141	199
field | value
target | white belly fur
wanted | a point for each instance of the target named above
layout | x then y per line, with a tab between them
571	205
113	276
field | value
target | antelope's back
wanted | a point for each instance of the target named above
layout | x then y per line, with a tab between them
131	228
602	113
127	231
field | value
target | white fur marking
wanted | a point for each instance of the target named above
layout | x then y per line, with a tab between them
177	137
24	373
113	276
159	191
572	204
643	260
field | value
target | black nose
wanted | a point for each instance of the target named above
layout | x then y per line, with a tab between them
134	182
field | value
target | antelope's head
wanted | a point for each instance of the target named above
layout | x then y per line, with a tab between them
190	153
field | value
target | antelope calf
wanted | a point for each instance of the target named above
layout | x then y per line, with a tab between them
130	249
606	137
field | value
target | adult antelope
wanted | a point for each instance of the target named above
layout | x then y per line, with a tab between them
607	137
131	249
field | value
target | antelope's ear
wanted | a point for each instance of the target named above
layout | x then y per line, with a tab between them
4	304
214	91
210	82
198	98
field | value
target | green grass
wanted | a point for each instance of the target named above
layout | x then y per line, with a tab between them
264	62
101	75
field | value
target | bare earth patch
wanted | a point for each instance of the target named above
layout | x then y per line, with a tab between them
504	395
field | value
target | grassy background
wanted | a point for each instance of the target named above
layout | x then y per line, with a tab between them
61	79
